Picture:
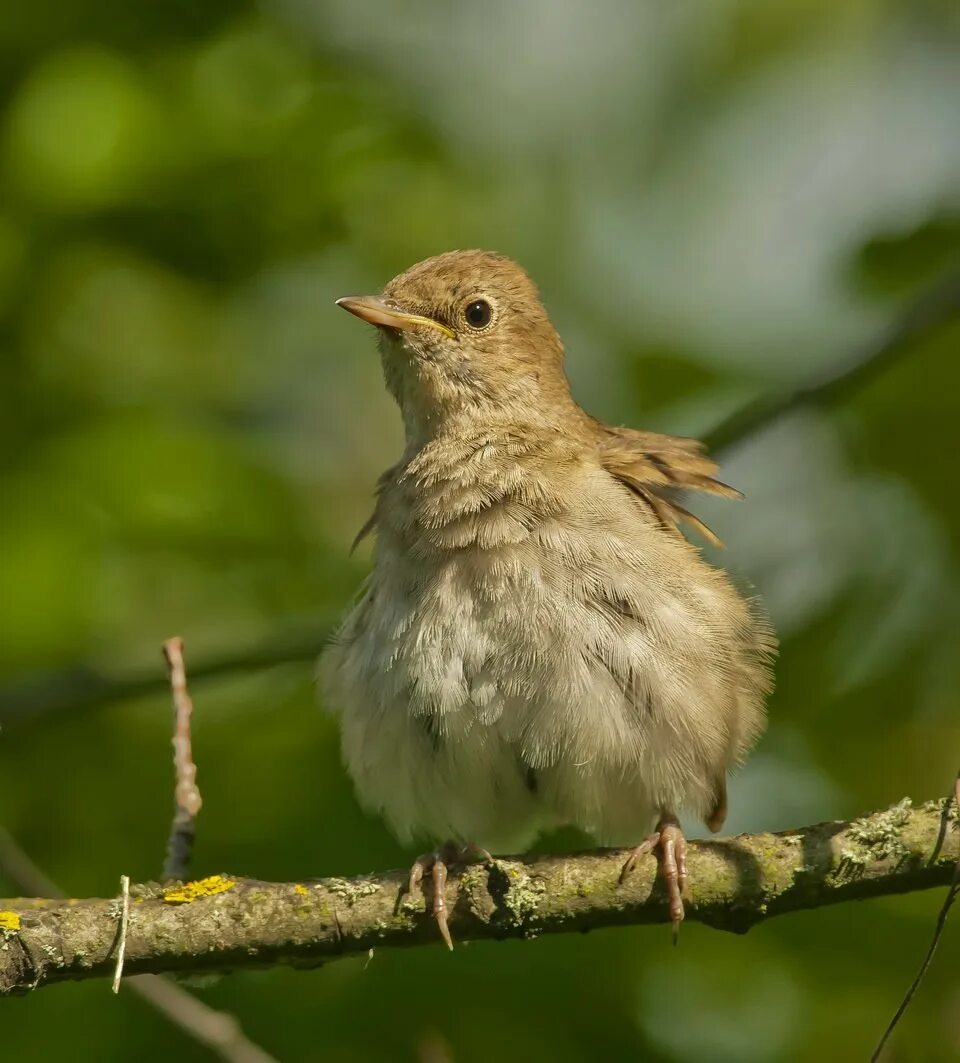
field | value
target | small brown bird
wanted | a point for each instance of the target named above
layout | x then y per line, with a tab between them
538	644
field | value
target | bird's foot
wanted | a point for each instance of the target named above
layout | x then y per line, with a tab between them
669	840
438	863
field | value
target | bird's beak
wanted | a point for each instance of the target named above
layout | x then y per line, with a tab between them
376	312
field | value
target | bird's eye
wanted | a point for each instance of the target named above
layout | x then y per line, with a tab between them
478	313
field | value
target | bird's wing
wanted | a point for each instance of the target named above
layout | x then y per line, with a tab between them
656	468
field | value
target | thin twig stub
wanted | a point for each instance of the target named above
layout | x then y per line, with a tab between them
124	925
186	794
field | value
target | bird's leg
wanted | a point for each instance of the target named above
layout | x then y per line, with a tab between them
438	864
669	839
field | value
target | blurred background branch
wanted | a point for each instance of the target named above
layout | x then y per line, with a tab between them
936	307
75	689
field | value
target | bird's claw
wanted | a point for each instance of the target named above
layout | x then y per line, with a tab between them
437	863
669	840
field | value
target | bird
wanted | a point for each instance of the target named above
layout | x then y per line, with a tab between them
538	643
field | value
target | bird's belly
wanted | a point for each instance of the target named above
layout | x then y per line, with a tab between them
422	719
492	701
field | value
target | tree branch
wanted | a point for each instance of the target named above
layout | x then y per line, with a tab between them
226	922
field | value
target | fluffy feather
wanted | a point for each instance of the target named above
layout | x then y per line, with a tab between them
656	467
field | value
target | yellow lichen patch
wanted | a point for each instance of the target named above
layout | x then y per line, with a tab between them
193	891
10	922
302	890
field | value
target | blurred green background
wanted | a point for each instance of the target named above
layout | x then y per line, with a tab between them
719	200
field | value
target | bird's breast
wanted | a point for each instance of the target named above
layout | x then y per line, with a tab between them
485	492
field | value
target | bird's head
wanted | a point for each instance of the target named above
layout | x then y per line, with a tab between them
464	337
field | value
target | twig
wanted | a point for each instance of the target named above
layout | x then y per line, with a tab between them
186	794
124	923
218	1031
941	922
225	922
